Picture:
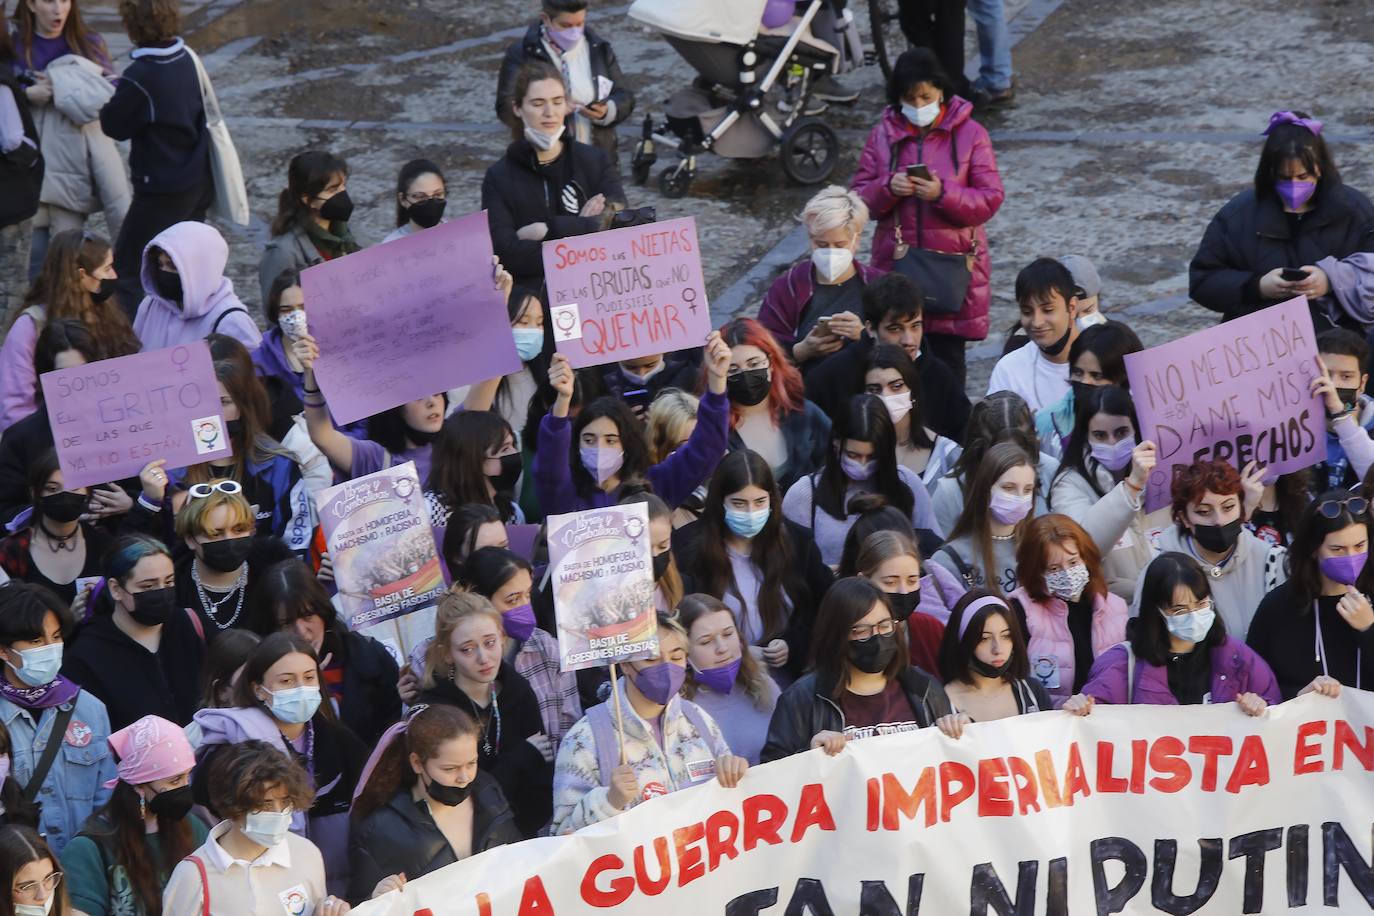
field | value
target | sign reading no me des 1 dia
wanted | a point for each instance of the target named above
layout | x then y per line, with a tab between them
110	418
624	293
1238	392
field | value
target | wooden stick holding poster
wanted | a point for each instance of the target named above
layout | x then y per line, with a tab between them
601	566
385	562
624	293
1237	392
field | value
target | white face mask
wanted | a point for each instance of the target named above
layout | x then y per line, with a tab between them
35	909
831	263
542	141
1090	319
898	405
922	116
293	324
267	828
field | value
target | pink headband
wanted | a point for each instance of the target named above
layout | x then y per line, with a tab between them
384	742
1287	117
152	748
975	607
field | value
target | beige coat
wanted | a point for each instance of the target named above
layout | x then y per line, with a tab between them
1115	522
85	172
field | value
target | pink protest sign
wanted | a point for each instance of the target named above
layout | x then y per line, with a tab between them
629	292
112	417
408	319
1236	392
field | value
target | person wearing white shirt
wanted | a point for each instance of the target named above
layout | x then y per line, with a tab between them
1039	371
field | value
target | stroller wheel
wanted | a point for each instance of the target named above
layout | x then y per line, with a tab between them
809	151
674	182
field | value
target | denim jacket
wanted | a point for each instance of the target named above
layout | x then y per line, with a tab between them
75	786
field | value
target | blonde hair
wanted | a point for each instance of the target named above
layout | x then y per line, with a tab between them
833	208
191	519
669	415
454	607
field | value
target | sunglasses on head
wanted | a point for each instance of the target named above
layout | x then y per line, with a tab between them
227	487
1332	508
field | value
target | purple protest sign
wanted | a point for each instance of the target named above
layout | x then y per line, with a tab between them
408	319
1238	392
624	293
112	417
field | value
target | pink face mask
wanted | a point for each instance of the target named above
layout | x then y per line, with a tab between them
1008	509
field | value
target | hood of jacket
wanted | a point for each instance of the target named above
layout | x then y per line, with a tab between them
232	725
200	254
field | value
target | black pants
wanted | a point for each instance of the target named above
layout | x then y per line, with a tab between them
938	25
148	215
948	349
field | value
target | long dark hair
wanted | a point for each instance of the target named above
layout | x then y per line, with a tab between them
388	428
1000	417
632	441
426	730
58	289
956	652
874	515
865	419
1293	141
271	650
772	550
455	473
1304	575
1109	342
539	366
20	845
307	175
489	568
409	172
288	591
846	603
974	522
271	306
1088	403
588	385
124	815
1150	640
227	654
891	356
460	536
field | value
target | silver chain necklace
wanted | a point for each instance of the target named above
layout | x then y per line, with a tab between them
212	607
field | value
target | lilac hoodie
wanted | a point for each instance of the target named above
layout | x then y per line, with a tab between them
199	253
1236	669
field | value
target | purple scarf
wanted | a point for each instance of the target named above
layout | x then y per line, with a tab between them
58	692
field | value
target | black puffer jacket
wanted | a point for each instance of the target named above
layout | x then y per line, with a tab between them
531	47
1251	236
806	709
370	702
518	191
401	837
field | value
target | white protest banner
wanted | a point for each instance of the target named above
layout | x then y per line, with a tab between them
1134	809
1236	392
601	566
386	565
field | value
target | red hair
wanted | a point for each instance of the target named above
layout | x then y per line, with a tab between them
1192	482
1032	552
787	393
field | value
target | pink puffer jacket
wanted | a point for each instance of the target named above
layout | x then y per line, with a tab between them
958	150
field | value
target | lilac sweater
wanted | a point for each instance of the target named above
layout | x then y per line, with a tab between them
673	479
18	381
1236	669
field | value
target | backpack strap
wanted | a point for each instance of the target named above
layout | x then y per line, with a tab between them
214	328
195	622
55	738
1130	672
964	572
813	478
604	738
204	884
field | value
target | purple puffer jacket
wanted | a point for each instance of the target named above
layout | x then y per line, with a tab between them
1236	669
972	195
786	300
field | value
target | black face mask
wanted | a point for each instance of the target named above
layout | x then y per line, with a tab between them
871	655
749	387
449	796
661	561
174	804
153	607
168	283
227	555
1350	397
427	213
420	436
903	606
511	467
1058	346
64	507
107	288
1217	538
235	428
1080	391
978	666
338	208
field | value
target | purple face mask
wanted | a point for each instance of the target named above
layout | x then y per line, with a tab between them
1008	509
601	463
518	622
566	38
660	681
1295	193
1345	570
855	470
721	678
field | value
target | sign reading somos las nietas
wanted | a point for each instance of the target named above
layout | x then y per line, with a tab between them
1136	809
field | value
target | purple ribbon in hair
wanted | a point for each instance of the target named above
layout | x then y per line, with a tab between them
1288	117
975	607
393	733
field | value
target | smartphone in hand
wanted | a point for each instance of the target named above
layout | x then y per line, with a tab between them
1292	275
919	170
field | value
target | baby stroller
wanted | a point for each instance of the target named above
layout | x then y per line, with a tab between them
749	98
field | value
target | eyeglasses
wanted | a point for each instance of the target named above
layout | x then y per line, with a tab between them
28	887
862	631
227	487
1355	505
1179	610
421	198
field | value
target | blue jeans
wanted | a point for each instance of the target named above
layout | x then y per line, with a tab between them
994	44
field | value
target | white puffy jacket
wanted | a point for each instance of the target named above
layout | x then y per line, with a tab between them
84	171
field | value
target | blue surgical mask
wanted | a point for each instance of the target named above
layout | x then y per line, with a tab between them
1194	626
40	665
529	342
747	523
637	379
295	705
267	828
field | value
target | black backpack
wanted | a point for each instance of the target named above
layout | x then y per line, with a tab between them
21	169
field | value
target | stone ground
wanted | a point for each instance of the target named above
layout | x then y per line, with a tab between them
1133	124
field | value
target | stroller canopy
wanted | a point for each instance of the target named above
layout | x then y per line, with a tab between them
729	21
